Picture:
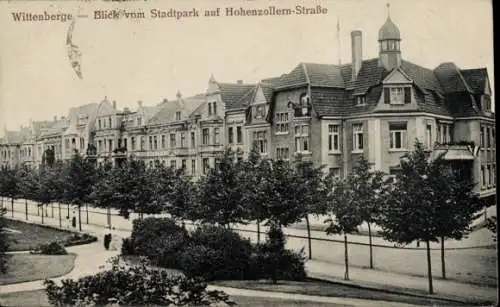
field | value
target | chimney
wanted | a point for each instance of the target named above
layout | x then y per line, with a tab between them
178	95
55	118
165	100
239	82
139	103
114	104
357	53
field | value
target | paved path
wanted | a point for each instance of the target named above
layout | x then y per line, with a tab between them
98	216
91	257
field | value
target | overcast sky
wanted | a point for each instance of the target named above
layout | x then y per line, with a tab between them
150	59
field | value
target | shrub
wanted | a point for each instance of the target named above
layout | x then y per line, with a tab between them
127	247
79	239
52	248
160	239
133	286
273	261
217	253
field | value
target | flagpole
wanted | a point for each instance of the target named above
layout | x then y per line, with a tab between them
338	41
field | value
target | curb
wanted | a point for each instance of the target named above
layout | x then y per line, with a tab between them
401	292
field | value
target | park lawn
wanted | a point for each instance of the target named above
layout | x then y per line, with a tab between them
319	288
38	298
31	235
27	267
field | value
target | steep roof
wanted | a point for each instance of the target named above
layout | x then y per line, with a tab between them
231	93
167	110
475	78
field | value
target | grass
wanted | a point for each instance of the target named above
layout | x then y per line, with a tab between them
30	236
38	298
27	267
318	288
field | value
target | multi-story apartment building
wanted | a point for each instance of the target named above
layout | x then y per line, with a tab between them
325	114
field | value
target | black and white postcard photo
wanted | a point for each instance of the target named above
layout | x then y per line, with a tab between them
247	153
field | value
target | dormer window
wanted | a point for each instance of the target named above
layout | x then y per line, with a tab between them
214	106
486	103
397	95
361	100
303	108
139	121
177	115
259	112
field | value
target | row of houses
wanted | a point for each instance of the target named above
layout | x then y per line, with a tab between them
326	114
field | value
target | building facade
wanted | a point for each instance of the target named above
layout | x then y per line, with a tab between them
325	114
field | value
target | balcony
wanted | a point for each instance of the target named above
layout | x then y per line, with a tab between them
459	151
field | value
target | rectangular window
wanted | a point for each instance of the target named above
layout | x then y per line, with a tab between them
172	140
99	146
163	142
214	105
173	163
483	176
488	174
230	135
494	174
104	123
398	135
209	108
125	143
387	95
100	124
302	138
482	136
260	139
110	145
193	140
184	164
205	136
150	142
397	95
143	142
110	123
216	136
438	134
155	142
428	136
132	141
193	167
183	140
119	143
407	94
493	141
139	121
361	100
357	137
282	153
177	115
239	135
333	138
205	165
488	139
282	122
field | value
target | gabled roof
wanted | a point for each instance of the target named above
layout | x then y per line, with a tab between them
476	79
370	74
449	77
231	93
87	109
167	110
57	128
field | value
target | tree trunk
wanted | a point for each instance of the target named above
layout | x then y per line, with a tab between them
258	231
60	219
26	207
68	210
309	236
12	205
443	266
429	267
87	207
80	218
346	275
109	217
42	211
370	245
52	208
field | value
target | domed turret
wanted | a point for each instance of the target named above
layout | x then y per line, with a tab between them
389	47
389	31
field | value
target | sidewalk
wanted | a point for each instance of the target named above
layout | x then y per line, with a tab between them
479	238
89	259
92	258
